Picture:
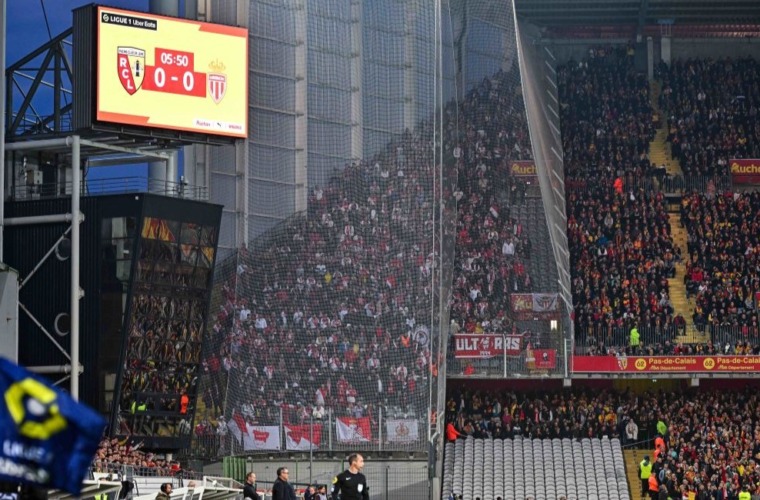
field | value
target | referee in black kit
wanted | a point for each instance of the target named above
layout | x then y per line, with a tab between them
351	484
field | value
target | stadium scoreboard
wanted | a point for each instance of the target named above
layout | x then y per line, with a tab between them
156	72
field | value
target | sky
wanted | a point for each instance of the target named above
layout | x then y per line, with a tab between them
26	30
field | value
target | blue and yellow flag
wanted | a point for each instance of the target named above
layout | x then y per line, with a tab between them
47	439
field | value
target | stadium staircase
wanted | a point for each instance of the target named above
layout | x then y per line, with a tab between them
677	288
659	154
541	264
659	149
632	459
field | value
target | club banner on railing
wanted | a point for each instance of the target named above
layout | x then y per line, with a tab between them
353	430
528	306
254	437
745	171
401	430
486	345
262	437
541	359
303	437
666	364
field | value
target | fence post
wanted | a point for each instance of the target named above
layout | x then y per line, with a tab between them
380	428
329	428
387	474
504	357
311	447
282	432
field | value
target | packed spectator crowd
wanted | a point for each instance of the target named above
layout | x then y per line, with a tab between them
345	294
722	272
712	111
619	236
711	439
606	118
493	249
113	454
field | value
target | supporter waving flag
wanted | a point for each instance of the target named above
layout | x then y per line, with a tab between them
48	439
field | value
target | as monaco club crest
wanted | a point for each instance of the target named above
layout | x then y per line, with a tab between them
130	64
217	81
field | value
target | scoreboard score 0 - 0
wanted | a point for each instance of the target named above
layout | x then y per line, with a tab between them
168	73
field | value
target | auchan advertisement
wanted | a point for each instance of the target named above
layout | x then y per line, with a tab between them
745	171
665	364
162	72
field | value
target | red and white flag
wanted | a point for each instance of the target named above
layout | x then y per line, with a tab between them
302	438
238	427
353	430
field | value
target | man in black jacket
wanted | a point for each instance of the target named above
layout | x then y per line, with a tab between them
249	490
282	489
351	483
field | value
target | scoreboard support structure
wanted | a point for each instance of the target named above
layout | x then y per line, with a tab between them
72	145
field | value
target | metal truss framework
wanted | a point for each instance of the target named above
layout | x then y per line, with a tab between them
26	118
76	146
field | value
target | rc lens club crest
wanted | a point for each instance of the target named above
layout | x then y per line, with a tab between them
130	64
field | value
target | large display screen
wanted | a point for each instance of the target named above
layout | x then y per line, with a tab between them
161	72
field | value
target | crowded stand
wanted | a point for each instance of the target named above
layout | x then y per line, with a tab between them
712	108
338	293
606	120
493	250
113	455
350	317
619	236
702	443
722	273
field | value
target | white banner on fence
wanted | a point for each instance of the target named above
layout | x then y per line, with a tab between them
262	437
398	430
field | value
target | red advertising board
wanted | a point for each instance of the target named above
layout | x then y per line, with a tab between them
483	346
665	364
745	171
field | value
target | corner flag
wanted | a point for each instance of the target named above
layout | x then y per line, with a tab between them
46	438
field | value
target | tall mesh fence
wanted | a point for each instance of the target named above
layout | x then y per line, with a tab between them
413	226
328	322
507	316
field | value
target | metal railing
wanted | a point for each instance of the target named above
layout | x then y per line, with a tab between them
619	337
102	187
666	184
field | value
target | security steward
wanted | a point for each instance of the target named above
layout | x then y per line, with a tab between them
745	495
645	470
351	484
249	490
